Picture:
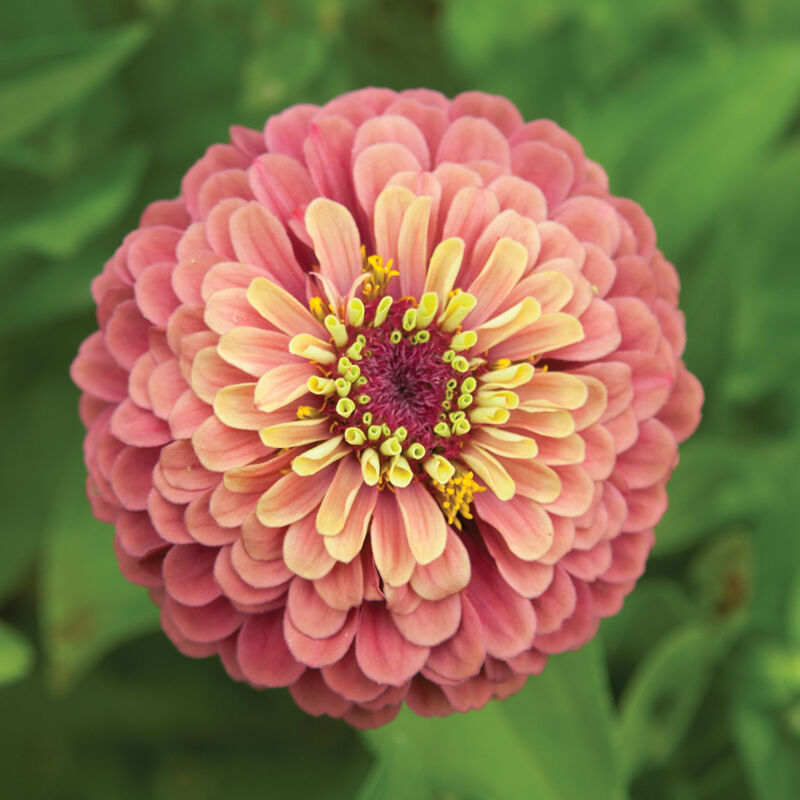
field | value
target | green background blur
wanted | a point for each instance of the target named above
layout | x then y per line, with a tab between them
693	690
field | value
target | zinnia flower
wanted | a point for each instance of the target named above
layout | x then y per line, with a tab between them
383	406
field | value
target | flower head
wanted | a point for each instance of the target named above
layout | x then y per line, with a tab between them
383	406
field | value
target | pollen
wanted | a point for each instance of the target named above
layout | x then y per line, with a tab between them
455	497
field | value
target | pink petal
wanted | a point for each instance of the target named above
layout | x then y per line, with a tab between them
337	242
208	623
285	132
545	166
346	678
167	519
651	458
94	371
383	653
681	412
473	139
374	166
526	578
221	186
446	575
502	113
126	334
282	184
343	587
189	576
508	620
136	426
462	655
262	652
320	652
423	521
591	219
391	128
137	536
132	476
220	448
393	556
312	695
430	121
432	622
182	469
328	151
292	498
309	613
259	238
523	197
304	551
523	524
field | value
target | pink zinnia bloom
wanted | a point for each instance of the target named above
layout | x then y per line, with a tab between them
383	406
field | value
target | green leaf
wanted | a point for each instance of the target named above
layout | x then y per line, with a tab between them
664	694
16	655
522	747
87	607
83	207
688	133
720	480
770	756
77	65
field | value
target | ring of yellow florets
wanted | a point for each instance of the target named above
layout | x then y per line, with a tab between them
402	391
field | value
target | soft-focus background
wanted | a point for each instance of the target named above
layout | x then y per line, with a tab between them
693	691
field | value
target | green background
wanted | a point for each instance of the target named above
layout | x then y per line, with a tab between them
693	690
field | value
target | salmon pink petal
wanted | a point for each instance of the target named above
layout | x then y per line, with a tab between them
304	551
526	578
337	243
431	622
375	165
319	652
502	113
136	426
309	612
346	678
393	556
546	167
382	652
208	623
445	575
259	238
343	587
312	694
508	620
262	652
131	476
525	526
188	575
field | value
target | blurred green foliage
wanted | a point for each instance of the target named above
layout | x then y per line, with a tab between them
694	109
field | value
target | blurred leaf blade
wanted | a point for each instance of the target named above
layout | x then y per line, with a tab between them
30	98
16	655
521	747
87	607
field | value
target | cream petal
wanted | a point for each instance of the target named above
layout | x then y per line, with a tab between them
534	480
500	273
443	268
296	433
282	309
548	332
507	324
552	390
320	456
489	470
505	443
235	407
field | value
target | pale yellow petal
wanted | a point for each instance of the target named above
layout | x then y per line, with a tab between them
443	268
489	470
316	458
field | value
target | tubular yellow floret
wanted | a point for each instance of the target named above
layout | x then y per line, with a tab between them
426	311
